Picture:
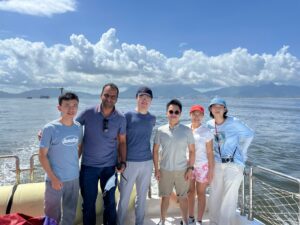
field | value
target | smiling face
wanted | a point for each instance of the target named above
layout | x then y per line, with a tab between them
143	102
68	108
173	114
109	97
196	117
218	110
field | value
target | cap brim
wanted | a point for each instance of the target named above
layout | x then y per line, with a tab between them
139	94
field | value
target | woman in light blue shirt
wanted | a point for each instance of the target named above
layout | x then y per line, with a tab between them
231	141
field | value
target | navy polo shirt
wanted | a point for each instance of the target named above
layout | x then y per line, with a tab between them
100	147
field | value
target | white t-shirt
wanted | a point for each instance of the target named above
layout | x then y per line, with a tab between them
202	135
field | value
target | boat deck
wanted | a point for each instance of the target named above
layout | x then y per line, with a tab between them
152	216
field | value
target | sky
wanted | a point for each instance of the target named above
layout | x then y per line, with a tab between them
207	44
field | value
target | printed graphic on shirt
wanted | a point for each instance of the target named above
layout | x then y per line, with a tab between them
70	140
219	138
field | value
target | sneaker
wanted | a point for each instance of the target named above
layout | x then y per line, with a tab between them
191	220
198	222
182	223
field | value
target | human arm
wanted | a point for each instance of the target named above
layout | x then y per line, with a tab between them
245	136
211	160
122	152
155	161
80	145
39	135
55	182
191	161
80	150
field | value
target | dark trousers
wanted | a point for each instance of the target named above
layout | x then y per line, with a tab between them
89	177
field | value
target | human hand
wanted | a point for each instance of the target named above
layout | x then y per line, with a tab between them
56	184
39	134
121	166
157	174
188	175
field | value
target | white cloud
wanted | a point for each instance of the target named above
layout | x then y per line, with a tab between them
38	7
83	64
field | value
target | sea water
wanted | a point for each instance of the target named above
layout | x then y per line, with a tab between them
276	122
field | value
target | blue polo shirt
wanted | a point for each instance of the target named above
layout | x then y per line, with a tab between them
100	147
138	135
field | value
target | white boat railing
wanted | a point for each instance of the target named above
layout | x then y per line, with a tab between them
17	165
270	196
19	171
267	195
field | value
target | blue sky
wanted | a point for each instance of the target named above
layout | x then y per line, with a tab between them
206	44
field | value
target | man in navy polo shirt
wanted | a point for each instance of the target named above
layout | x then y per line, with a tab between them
140	123
103	147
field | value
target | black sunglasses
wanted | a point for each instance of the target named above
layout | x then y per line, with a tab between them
174	112
105	125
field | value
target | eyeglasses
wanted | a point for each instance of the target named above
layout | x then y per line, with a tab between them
174	112
105	125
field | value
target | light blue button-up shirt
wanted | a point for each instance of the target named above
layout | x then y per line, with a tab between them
233	138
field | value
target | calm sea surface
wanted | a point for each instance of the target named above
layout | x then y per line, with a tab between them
276	123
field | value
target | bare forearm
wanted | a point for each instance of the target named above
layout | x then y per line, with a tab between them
155	157
211	162
210	155
191	160
46	166
79	151
122	152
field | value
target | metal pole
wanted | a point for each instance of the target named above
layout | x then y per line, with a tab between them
18	171
31	173
250	215
299	203
279	174
243	197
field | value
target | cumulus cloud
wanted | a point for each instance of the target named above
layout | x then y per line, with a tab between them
83	64
38	7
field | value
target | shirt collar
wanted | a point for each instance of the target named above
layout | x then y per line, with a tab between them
98	110
175	127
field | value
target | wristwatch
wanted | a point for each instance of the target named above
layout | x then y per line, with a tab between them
190	168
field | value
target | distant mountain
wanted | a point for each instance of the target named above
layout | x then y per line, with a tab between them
42	93
164	91
178	91
266	90
6	95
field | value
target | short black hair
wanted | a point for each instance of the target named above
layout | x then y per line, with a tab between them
224	115
67	96
174	102
112	85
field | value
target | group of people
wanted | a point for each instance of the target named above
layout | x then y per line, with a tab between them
185	157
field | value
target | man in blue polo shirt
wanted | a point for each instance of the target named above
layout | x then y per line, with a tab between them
103	147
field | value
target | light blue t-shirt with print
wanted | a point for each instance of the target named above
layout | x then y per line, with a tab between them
62	143
231	136
138	134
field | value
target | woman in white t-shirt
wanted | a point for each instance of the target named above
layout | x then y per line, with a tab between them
204	163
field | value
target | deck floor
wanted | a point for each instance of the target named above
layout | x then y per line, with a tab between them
152	216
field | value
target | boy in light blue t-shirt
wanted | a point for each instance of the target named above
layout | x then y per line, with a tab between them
59	156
